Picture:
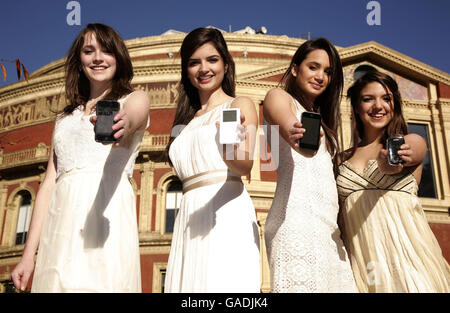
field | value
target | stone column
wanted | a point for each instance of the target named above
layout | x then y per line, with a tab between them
146	196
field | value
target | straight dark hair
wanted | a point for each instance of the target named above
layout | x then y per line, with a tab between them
396	127
188	99
77	84
327	103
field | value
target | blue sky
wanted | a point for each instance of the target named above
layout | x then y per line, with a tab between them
37	33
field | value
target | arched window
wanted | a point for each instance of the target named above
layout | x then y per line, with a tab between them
173	198
361	70
23	221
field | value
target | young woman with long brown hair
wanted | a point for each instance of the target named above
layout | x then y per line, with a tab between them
215	243
84	219
391	245
303	241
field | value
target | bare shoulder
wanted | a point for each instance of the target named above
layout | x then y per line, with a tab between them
242	102
138	99
277	94
416	140
139	95
276	98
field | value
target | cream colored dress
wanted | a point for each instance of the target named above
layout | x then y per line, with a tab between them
305	251
391	245
89	241
215	243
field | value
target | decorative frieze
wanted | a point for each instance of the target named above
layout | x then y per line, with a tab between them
162	95
29	113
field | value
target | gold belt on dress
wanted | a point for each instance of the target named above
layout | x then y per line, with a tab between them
208	178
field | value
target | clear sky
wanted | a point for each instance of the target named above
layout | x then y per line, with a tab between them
37	31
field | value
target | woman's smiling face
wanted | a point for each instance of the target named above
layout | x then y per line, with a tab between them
376	107
313	74
98	65
206	68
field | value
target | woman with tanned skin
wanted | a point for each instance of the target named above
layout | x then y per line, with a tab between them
305	251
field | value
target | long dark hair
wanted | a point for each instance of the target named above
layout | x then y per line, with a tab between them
397	126
77	84
328	102
188	99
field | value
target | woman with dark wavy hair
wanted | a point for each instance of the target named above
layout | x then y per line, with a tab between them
215	243
305	251
84	218
391	245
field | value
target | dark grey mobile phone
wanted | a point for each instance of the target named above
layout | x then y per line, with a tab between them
106	110
393	144
311	137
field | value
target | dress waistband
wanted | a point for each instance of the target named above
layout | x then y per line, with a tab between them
208	178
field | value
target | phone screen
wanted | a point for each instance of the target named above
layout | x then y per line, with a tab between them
393	145
105	110
229	116
311	123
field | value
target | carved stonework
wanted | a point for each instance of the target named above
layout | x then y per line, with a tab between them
394	57
408	89
44	109
28	113
163	94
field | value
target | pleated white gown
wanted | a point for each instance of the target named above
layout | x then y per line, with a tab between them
215	245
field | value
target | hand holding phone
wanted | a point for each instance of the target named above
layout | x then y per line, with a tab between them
106	110
229	126
311	137
393	144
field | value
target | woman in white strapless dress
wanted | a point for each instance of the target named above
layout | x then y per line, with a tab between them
215	243
305	251
84	218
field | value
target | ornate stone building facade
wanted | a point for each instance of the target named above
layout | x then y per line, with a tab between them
27	114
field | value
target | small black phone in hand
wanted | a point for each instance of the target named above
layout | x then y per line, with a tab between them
106	110
311	137
393	144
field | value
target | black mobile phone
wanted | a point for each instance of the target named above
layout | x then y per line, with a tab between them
311	137
106	110
393	144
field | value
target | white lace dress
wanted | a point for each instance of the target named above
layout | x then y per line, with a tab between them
89	241
215	243
305	251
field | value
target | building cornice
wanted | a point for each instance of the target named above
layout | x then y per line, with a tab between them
394	59
49	79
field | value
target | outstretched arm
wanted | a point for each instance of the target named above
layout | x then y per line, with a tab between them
413	152
278	109
132	117
239	157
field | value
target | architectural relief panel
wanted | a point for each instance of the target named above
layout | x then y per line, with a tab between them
30	112
409	90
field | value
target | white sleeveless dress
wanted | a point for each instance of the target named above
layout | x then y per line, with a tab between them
305	251
215	243
89	241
